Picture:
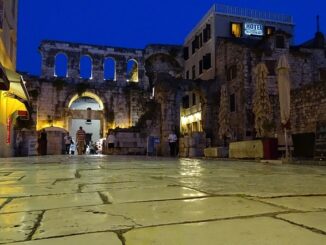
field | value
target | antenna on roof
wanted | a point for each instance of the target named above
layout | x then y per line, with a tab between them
318	24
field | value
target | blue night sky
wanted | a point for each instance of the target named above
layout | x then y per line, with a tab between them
136	23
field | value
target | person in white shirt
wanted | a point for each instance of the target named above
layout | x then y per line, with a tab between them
67	140
173	144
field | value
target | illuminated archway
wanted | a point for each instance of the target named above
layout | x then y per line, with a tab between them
86	110
87	94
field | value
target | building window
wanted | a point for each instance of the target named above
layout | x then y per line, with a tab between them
279	42
271	66
236	29
200	67
207	33
186	53
185	102
187	74
207	63
231	73
193	99
195	44
269	30
200	40
193	72
232	103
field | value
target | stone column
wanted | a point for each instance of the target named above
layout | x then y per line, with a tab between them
48	63
73	66
121	70
98	69
169	119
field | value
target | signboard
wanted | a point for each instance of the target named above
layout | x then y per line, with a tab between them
9	122
253	29
23	115
32	146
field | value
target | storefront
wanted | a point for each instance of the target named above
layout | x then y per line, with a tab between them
13	104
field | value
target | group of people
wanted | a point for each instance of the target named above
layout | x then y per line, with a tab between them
80	145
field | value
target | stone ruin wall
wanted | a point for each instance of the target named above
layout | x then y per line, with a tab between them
308	106
126	100
307	97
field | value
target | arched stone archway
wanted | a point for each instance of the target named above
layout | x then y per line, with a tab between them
80	108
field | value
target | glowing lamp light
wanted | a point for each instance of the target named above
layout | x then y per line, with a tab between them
89	116
191	118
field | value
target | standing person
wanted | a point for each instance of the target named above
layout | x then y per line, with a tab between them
111	140
80	138
19	144
67	140
173	144
43	142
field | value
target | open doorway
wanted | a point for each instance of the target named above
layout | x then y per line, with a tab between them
87	111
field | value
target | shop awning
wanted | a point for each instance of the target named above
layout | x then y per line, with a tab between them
17	86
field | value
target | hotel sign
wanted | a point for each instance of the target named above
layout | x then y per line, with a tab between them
253	29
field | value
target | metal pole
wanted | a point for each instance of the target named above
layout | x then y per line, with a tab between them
286	145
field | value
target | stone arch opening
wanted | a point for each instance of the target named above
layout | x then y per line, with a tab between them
109	69
132	70
87	111
61	65
86	67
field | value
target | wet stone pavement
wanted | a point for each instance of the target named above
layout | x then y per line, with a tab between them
148	201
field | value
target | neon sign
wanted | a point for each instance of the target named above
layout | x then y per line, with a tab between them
253	29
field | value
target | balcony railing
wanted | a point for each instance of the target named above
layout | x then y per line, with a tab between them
192	110
252	13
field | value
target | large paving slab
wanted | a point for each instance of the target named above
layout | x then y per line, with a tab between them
151	194
307	203
105	238
71	221
119	216
52	202
258	186
253	231
147	191
315	220
2	201
17	227
34	190
123	185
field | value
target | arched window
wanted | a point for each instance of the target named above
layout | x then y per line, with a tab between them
61	65
132	71
231	73
86	67
109	69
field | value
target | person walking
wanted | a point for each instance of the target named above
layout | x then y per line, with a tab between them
43	142
80	138
19	144
173	144
67	140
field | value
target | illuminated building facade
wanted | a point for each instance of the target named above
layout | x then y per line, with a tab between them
13	94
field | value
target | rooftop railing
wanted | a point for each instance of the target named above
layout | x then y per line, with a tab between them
253	13
242	12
